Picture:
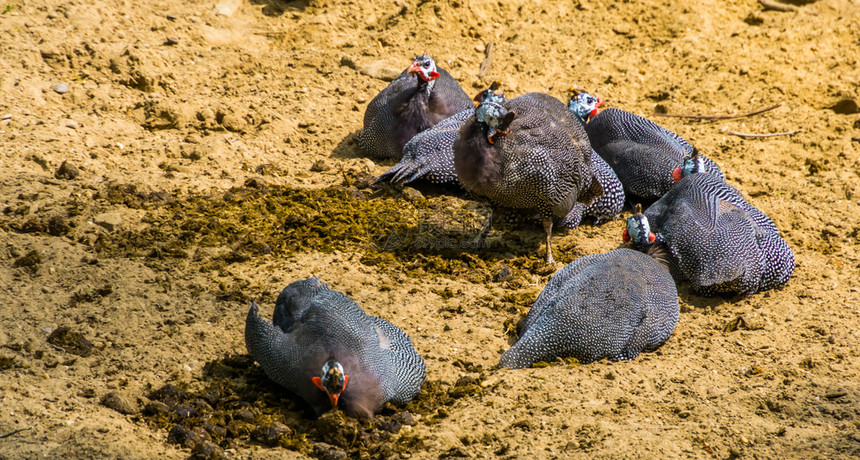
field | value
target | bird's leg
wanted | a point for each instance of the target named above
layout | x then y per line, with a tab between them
488	225
547	227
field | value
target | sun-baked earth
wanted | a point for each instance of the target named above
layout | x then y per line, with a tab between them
166	162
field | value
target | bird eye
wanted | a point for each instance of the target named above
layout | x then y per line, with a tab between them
426	65
590	100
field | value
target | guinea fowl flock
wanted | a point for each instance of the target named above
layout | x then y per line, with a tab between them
564	162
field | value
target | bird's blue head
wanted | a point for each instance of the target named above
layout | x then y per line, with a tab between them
584	105
495	117
692	164
333	380
638	229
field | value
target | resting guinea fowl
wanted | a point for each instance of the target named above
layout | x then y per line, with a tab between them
422	96
713	238
613	305
642	153
528	152
430	155
322	346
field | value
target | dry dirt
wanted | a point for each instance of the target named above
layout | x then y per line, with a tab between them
211	161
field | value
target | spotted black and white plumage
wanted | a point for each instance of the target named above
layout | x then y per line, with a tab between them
612	305
313	324
642	153
430	154
715	240
528	152
422	96
605	207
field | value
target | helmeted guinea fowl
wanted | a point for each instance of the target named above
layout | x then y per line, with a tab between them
430	154
322	346
612	305
422	96
713	238
641	152
528	152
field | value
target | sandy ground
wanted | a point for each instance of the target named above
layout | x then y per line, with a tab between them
211	161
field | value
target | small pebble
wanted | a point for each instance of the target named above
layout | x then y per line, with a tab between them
156	407
67	171
319	166
172	41
412	194
121	403
347	61
271	434
6	117
60	88
72	124
207	450
623	29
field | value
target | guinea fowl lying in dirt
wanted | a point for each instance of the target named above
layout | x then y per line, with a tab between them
613	305
422	96
713	238
323	347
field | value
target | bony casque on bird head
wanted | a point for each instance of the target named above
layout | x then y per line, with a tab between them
638	229
494	118
491	94
583	105
692	164
424	67
333	380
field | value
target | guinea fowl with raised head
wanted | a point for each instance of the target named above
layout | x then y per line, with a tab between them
613	305
528	152
713	238
642	153
323	347
422	96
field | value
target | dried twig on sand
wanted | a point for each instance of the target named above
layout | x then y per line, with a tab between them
13	432
770	5
485	64
718	117
787	133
